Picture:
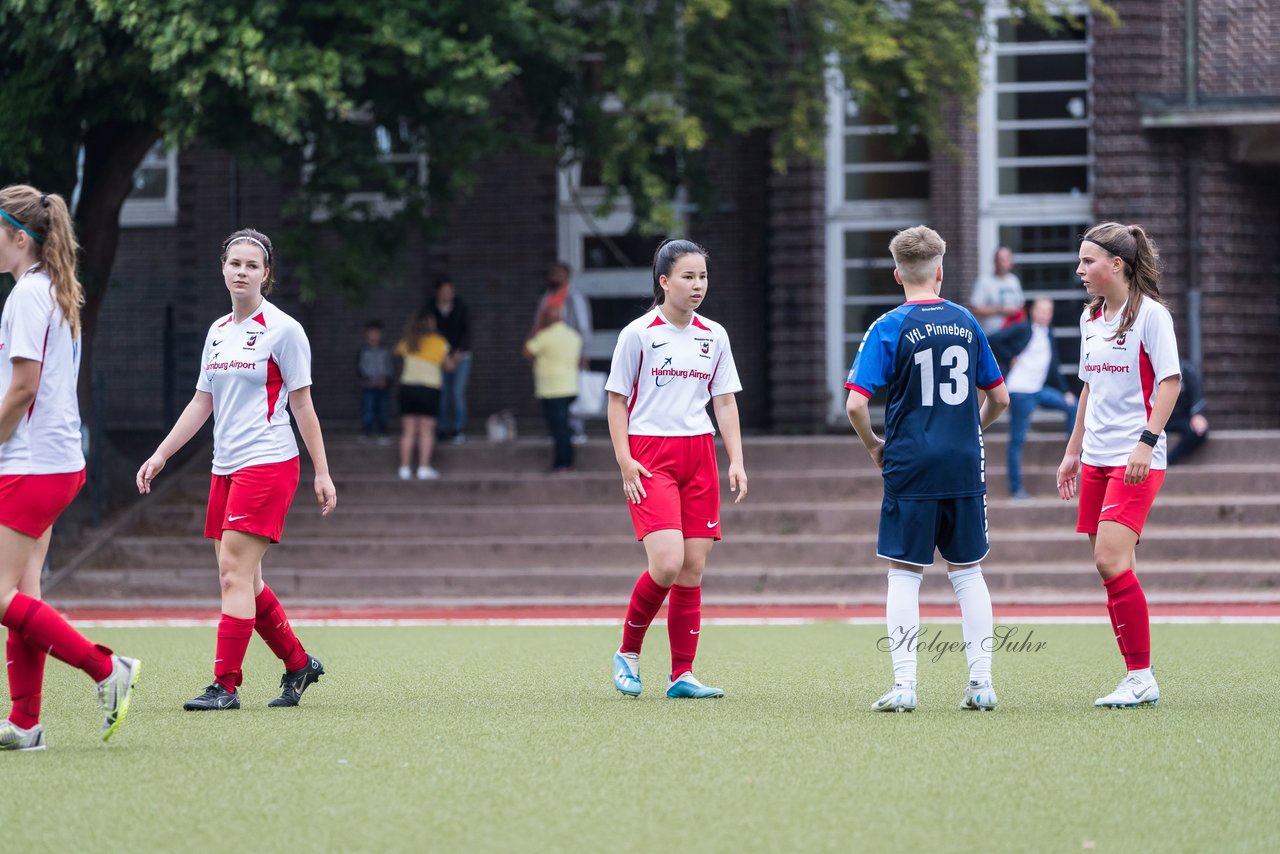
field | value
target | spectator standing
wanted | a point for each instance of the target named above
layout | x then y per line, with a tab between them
426	355
575	310
453	320
556	350
376	369
997	299
1029	360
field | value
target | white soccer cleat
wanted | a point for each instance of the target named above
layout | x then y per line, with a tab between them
14	737
1139	688
900	698
626	673
979	697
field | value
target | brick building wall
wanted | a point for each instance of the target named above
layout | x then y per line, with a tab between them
953	202
1145	176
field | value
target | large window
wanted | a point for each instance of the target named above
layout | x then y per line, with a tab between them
1035	159
153	201
877	184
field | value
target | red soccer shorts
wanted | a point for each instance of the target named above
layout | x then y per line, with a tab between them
255	500
684	492
1105	498
30	503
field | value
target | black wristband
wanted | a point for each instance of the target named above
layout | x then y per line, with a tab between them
1149	438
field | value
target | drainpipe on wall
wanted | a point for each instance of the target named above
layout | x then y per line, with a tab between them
1191	194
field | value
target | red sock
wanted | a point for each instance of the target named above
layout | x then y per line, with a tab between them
44	628
273	626
646	600
1115	625
26	679
1133	621
234	635
684	621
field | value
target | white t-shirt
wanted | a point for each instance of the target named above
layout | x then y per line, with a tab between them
669	375
47	439
1031	367
250	367
992	291
1123	375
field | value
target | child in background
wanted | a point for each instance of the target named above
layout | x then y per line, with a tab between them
426	354
376	368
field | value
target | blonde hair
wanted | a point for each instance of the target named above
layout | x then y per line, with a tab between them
918	253
45	218
254	237
1141	260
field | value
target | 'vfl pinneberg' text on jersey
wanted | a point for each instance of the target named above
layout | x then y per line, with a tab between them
669	375
47	438
250	367
931	357
1123	373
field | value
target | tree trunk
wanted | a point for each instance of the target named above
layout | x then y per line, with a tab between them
112	153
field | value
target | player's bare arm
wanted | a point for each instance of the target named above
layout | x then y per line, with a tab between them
726	409
1070	466
859	411
193	417
633	473
994	402
304	413
1139	464
19	397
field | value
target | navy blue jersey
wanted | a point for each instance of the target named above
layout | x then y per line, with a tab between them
931	356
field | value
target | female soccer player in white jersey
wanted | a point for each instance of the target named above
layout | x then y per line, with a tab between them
668	364
41	464
251	356
1129	365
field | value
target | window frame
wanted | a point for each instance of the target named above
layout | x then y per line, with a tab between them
151	213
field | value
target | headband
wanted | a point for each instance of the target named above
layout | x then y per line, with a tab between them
265	251
1113	250
37	238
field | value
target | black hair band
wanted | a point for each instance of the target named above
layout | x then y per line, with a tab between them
1113	250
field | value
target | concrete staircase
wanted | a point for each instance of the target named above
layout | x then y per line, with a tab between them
496	529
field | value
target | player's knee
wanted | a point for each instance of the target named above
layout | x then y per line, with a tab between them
691	573
231	576
665	569
1109	562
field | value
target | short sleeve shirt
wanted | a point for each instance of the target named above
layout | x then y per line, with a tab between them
47	438
1123	373
422	366
930	357
250	367
669	374
992	291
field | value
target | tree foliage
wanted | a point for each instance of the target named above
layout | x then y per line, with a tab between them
640	87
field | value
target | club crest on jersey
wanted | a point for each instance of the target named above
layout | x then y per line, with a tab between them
251	340
1120	339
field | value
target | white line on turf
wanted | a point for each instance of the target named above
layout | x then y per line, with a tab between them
367	622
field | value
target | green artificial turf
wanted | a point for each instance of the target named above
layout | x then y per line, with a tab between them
511	738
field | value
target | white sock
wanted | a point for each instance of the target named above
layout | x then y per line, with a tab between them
975	616
902	617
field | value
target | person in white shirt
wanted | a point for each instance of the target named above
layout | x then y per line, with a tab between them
668	365
1129	366
997	298
256	360
41	462
1029	358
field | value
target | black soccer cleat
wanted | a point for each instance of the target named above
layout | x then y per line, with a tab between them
294	682
214	699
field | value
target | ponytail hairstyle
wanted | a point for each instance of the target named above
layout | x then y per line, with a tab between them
254	238
664	258
421	325
45	219
1141	260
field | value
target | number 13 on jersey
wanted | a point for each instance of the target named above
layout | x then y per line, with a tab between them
953	382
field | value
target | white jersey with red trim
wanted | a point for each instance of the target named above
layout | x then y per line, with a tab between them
1123	374
47	438
250	367
670	374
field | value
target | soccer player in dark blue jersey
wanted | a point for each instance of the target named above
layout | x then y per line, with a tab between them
943	388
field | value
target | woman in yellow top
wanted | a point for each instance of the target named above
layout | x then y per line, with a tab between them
426	354
556	349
